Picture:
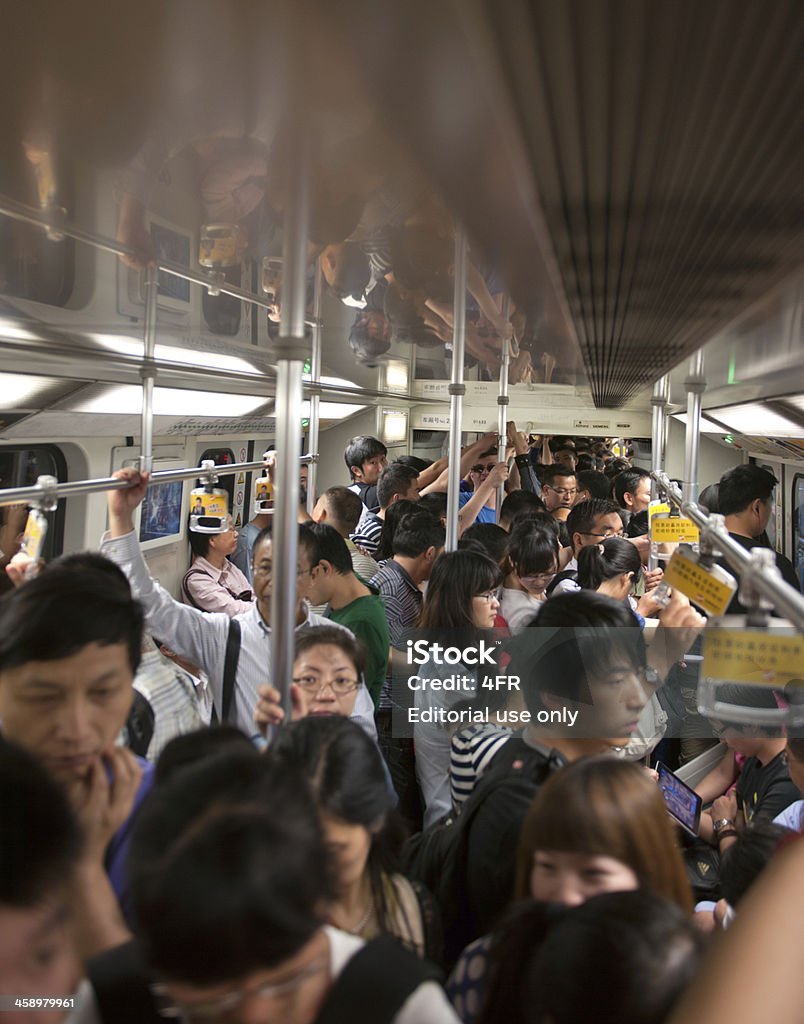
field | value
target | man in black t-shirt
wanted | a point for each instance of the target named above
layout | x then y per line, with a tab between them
745	497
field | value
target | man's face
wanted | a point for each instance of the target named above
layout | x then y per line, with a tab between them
263	573
412	493
303	476
639	499
608	525
67	712
560	493
369	472
619	694
37	957
764	510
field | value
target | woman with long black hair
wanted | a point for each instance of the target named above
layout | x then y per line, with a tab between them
459	611
362	832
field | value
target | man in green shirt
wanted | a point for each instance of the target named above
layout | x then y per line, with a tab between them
350	602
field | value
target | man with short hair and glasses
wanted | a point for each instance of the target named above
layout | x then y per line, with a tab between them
588	523
559	489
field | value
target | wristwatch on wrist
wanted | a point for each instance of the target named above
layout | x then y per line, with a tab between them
721	824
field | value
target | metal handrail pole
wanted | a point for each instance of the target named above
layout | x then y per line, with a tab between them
695	384
502	405
148	369
315	398
26	495
457	389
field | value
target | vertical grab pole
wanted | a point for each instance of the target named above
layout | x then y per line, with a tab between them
658	403
148	371
502	405
290	364
695	383
315	398
457	389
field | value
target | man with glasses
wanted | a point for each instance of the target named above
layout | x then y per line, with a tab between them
588	523
203	637
559	488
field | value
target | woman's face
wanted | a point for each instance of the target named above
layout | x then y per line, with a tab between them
348	846
484	609
329	680
573	878
536	583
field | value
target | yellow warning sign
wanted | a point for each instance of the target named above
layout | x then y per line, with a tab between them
753	656
673	529
706	588
238	521
241	478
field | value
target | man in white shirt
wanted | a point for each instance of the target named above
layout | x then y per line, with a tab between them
201	637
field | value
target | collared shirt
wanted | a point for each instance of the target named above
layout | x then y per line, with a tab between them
216	590
403	605
200	637
176	704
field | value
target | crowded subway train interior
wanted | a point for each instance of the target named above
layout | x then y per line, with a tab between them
414	393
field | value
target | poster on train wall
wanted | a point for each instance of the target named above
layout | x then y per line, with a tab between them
161	511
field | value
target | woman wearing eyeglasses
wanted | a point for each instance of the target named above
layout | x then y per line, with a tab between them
460	610
327	677
531	564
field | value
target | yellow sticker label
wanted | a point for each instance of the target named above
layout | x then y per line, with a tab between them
699	585
658	508
33	539
753	656
673	530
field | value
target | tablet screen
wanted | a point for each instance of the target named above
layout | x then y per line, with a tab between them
682	802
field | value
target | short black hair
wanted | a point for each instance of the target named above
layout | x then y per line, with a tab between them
344	507
742	485
41	837
360	449
199	745
330	547
416	533
314	636
518	501
593	627
627	482
228	872
490	537
393	514
394	479
586	461
435	502
76	600
307	540
555	470
582	516
366	349
353	273
708	498
596	483
415	462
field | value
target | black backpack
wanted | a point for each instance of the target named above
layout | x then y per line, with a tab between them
565	574
468	861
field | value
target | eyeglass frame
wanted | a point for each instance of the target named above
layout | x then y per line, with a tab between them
482	467
229	1001
315	691
489	595
603	536
564	492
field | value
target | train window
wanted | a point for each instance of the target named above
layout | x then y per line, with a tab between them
223	457
19	467
798	527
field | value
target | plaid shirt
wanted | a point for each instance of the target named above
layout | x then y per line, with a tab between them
403	605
